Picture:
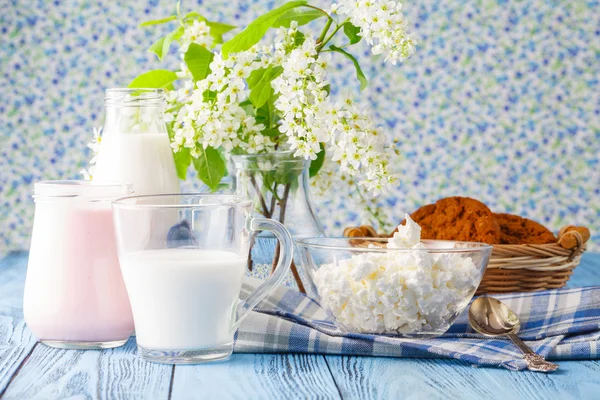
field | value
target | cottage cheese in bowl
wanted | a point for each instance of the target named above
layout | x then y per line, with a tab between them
410	288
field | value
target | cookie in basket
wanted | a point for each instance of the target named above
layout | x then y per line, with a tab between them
519	230
458	218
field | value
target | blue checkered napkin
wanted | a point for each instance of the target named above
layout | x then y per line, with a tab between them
559	324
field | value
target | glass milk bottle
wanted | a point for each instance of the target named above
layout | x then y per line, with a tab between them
135	146
75	297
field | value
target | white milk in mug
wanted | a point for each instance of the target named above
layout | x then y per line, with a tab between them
184	299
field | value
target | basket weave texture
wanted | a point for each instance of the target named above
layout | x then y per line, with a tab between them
519	267
529	267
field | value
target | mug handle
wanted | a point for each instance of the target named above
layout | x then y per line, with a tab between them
282	268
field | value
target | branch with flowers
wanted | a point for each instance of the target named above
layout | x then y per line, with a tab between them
250	95
261	93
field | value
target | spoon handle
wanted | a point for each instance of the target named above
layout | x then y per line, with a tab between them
535	362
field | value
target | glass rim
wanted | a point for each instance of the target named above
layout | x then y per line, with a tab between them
288	155
134	97
120	90
73	188
237	200
320	243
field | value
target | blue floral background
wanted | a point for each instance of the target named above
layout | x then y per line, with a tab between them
500	102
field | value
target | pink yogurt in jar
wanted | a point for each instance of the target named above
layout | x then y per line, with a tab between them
74	291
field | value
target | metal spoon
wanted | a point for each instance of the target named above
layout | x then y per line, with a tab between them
491	317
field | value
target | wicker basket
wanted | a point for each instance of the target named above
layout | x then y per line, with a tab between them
521	267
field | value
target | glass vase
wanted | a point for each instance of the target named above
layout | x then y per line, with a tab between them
278	184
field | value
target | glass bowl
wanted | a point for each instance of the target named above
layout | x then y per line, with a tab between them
368	288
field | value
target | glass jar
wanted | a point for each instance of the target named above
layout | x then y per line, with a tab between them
135	146
75	297
278	184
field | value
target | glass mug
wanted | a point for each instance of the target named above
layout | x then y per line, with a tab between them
183	258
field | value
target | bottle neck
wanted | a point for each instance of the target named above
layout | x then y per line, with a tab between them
134	120
134	111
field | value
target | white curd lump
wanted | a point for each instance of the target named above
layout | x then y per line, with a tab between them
397	292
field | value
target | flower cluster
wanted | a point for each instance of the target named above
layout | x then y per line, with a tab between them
358	145
381	24
211	114
196	32
214	116
302	99
310	118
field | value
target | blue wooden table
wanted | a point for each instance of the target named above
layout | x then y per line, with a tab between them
29	370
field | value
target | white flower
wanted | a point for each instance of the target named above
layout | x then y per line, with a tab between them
381	24
183	94
258	143
196	32
88	174
94	145
184	72
301	95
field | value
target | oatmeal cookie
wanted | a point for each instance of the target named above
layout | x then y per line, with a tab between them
519	230
458	218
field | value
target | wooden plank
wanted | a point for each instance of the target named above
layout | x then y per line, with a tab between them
50	373
386	378
110	374
257	376
12	279
16	341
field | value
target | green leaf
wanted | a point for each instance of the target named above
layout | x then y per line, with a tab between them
159	21
352	32
316	164
194	15
210	167
198	60
248	107
220	28
158	47
262	91
299	38
217	30
157	78
255	77
266	115
183	159
302	15
161	46
359	74
271	132
257	29
209	95
177	33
